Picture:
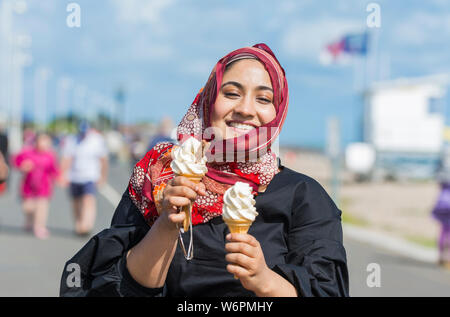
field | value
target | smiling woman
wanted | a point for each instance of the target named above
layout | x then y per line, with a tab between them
294	246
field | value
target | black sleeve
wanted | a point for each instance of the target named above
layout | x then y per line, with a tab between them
102	261
316	261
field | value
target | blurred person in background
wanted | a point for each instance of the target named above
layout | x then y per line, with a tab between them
137	149
441	211
114	142
29	135
4	170
39	167
84	167
4	157
163	134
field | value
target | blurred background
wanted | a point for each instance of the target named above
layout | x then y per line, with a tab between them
368	116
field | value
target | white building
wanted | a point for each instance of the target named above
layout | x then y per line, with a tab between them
404	121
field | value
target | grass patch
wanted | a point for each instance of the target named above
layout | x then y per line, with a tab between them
347	217
352	220
423	241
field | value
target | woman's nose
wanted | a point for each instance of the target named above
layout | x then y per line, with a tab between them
245	107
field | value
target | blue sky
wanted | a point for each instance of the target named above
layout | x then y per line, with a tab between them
162	51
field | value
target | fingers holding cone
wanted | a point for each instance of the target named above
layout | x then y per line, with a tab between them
195	179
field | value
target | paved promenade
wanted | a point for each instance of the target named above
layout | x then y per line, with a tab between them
30	267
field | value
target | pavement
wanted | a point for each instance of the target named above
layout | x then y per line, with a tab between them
32	267
379	264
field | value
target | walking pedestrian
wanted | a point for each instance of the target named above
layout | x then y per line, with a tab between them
441	210
84	167
4	159
137	148
39	167
163	134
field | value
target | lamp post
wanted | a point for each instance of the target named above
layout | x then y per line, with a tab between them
120	102
41	77
19	61
62	98
13	59
79	100
333	151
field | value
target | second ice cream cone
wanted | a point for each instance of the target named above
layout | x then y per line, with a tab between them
238	226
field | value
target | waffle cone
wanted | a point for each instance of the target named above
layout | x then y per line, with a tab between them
238	226
187	209
193	178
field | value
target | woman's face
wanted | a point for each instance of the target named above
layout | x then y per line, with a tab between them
245	99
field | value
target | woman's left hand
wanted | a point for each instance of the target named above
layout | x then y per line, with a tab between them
247	262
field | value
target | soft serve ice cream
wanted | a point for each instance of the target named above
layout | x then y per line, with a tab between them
239	210
188	161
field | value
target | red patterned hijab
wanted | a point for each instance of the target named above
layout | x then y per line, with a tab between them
252	160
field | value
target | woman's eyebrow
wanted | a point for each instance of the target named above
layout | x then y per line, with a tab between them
264	88
239	85
234	83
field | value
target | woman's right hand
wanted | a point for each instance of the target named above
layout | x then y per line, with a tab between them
179	192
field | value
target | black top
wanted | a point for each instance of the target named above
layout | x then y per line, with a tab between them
298	227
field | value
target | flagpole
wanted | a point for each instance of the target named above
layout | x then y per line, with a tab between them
372	57
385	66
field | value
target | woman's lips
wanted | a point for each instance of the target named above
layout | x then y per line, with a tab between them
238	128
241	126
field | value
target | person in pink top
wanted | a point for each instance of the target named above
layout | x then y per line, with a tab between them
39	167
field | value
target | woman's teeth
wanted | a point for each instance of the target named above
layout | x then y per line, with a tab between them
241	126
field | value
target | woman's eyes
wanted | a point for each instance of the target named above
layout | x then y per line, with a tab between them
265	100
236	95
231	94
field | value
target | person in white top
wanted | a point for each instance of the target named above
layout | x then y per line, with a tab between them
84	166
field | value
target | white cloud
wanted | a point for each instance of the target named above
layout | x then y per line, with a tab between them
143	12
147	51
440	3
146	22
201	67
421	28
306	39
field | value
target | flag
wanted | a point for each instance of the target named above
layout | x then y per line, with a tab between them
355	44
347	46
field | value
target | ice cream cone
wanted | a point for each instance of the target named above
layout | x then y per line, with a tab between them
187	209
238	226
238	210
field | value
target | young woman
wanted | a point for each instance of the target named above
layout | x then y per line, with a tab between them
441	210
293	248
39	167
